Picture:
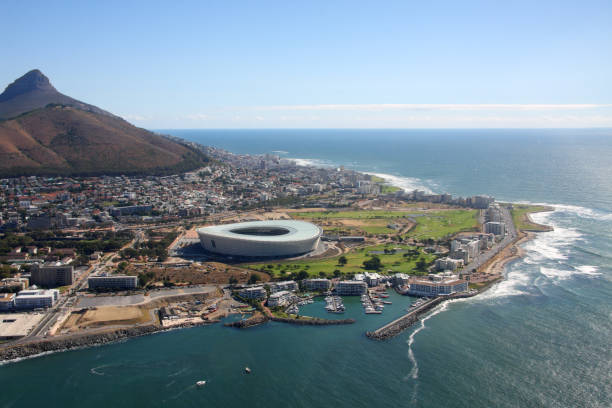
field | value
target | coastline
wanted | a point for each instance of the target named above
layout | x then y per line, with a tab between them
493	268
34	349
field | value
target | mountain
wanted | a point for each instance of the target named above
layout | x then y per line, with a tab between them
33	91
44	132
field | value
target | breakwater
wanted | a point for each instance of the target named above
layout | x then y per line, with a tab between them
398	325
303	321
313	321
254	320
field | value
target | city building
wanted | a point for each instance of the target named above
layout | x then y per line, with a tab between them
130	210
351	288
437	286
291	286
112	282
253	292
52	275
496	228
373	279
400	279
14	284
34	299
282	298
261	239
7	301
465	248
317	285
449	264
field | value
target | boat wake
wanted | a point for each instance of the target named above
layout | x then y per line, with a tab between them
95	371
414	372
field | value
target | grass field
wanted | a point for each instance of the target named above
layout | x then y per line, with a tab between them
439	224
396	262
429	224
356	215
521	220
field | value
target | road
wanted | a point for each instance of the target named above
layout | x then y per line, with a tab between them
511	234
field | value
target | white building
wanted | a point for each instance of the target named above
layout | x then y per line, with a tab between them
496	228
33	299
351	288
284	285
318	285
282	298
253	292
449	264
437	287
372	279
113	282
400	279
466	249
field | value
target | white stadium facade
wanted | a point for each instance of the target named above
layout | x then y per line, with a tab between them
261	239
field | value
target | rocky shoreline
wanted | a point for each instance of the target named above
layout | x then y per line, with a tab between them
304	321
20	351
313	321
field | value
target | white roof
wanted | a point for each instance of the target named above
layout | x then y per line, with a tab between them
290	230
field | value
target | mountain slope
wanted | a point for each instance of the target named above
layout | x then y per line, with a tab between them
33	91
79	139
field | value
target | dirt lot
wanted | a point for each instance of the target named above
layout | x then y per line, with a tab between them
205	273
106	316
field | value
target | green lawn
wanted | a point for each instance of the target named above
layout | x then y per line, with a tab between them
356	215
386	189
430	224
437	225
519	215
395	262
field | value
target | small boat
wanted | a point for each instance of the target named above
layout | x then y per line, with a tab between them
201	383
247	370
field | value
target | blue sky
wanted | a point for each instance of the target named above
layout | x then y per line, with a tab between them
345	64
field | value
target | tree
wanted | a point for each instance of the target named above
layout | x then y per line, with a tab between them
372	263
342	260
337	273
322	274
302	274
254	279
233	280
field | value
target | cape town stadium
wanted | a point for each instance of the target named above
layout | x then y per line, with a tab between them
282	238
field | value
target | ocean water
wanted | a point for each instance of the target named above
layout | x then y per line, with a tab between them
540	338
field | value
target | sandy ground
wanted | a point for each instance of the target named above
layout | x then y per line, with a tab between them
107	316
494	268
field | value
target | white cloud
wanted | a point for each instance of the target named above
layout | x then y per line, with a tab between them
135	117
196	116
438	107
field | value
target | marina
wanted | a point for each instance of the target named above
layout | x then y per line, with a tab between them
333	304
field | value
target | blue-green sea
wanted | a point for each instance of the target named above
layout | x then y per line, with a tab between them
540	338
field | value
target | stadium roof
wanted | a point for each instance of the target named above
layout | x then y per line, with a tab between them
265	231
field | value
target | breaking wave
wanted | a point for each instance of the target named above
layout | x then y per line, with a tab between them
405	183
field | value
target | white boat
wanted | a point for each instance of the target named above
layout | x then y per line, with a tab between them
201	383
247	370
